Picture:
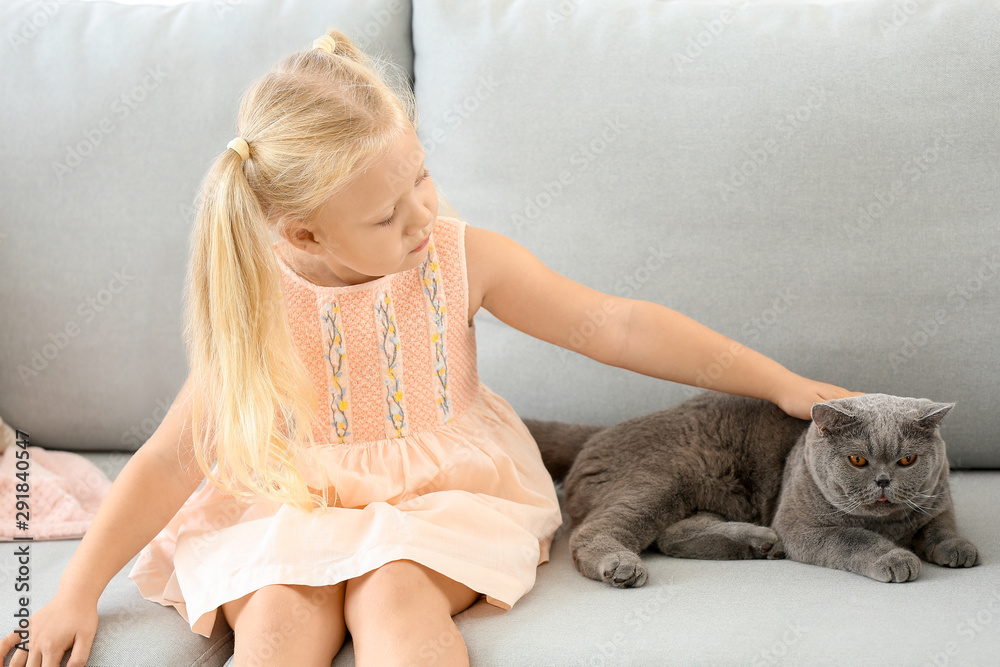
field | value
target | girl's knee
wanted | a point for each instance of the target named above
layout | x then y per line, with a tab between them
403	587
272	620
295	602
397	583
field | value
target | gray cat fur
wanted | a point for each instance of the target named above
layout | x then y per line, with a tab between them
728	477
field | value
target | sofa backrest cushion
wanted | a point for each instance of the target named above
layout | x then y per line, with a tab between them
112	114
817	181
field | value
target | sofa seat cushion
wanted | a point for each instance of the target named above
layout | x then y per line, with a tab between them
690	611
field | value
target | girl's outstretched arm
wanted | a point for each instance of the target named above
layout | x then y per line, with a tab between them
648	338
664	343
148	491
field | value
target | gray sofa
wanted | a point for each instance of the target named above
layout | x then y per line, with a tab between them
819	181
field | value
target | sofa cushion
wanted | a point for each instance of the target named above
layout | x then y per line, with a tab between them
817	181
131	630
113	114
757	613
690	611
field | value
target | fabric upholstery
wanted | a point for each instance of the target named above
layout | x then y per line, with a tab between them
817	182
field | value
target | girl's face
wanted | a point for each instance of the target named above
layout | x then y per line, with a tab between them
378	225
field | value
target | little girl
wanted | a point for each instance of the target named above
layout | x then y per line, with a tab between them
362	479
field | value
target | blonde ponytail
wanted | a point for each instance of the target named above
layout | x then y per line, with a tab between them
312	123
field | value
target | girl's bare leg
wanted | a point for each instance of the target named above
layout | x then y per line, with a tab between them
399	615
288	624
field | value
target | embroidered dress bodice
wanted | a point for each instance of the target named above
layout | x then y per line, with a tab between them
392	356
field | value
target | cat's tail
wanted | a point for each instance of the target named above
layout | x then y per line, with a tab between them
559	443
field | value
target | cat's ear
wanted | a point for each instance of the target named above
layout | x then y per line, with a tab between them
831	417
932	414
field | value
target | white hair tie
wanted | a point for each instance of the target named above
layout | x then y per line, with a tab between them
240	145
327	43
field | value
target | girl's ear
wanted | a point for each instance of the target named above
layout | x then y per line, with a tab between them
831	417
294	232
288	228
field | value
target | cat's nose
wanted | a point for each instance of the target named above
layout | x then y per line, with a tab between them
882	481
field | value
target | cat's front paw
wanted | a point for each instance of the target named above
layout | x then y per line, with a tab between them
766	544
777	550
623	569
762	542
954	552
895	566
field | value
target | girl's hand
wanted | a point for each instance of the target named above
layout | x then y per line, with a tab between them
797	396
67	622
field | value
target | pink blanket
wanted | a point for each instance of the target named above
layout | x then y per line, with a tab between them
64	492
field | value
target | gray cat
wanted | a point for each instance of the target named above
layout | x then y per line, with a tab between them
729	477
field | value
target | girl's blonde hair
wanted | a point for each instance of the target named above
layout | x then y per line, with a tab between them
313	123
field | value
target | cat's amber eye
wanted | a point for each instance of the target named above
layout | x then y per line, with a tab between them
907	460
858	460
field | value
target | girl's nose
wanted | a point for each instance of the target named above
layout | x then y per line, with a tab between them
418	222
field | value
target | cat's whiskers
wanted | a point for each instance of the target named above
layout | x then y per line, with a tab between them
919	508
847	508
925	502
908	516
924	493
837	510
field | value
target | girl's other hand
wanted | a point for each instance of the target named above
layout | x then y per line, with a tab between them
797	397
67	622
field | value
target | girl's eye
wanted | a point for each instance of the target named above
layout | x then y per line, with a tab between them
858	460
907	460
387	222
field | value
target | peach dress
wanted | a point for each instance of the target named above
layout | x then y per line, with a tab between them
428	464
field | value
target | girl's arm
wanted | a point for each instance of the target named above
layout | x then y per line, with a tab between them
636	335
146	494
666	344
143	498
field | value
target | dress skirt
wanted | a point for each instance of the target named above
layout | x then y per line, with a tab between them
470	499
